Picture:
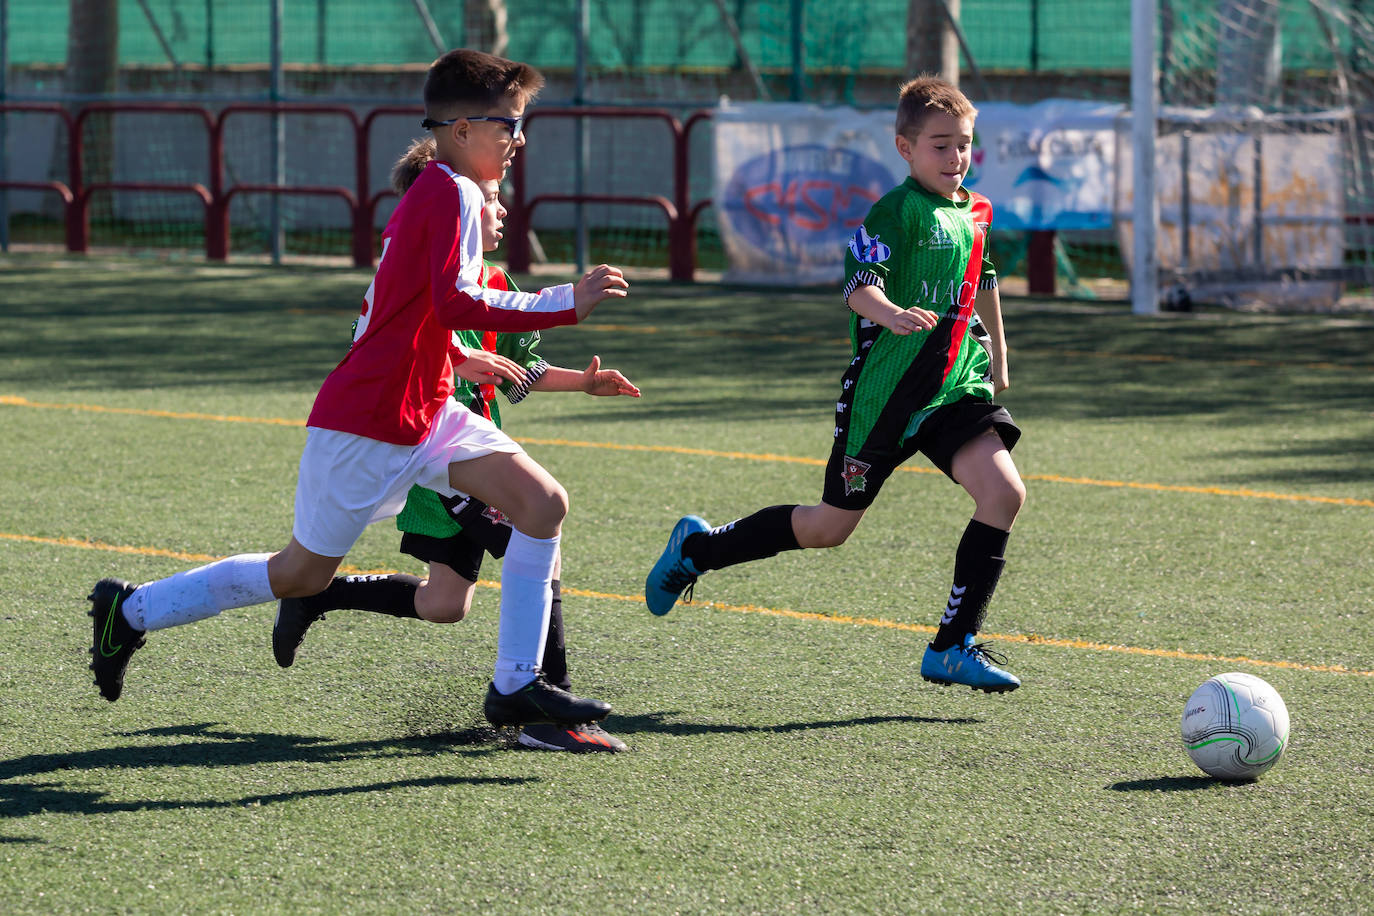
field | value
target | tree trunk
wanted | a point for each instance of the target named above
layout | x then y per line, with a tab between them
484	26
931	45
92	73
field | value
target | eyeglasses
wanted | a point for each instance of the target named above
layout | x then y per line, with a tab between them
515	125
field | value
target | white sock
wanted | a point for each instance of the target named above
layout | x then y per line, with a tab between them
526	573
200	593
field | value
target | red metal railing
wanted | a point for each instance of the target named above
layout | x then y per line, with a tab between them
65	191
680	213
360	200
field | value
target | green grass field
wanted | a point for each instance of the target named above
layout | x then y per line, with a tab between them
1201	501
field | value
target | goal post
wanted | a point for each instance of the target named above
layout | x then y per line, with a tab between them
1249	177
1145	199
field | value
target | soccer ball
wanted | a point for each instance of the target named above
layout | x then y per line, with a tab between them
1235	726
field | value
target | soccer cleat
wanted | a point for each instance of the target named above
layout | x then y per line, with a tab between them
673	572
540	702
114	639
587	738
970	664
288	630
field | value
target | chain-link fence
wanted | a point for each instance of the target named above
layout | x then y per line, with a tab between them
212	55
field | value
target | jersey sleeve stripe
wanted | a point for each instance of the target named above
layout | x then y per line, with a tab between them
862	278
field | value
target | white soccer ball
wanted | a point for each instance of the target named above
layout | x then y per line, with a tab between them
1235	726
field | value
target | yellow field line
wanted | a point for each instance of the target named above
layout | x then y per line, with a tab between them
1025	638
1050	478
838	341
12	401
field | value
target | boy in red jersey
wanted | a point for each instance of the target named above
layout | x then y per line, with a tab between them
451	535
918	380
384	419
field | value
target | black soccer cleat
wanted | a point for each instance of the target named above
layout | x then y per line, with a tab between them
288	630
113	639
540	702
587	738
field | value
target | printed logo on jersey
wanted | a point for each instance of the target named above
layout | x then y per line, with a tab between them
867	249
939	237
854	473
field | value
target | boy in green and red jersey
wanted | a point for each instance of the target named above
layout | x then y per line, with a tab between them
451	534
921	379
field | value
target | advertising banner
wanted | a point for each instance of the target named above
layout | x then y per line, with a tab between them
793	182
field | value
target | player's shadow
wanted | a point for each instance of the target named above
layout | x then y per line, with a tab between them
657	723
20	798
1170	784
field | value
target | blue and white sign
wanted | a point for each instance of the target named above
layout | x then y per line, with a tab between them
794	181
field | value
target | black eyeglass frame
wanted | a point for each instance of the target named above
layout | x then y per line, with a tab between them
516	125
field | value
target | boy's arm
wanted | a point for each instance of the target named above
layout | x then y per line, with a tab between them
460	301
989	306
487	368
593	380
867	264
519	349
870	302
467	304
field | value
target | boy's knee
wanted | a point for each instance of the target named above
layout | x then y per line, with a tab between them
433	606
300	583
293	576
1006	501
1016	495
551	506
828	537
442	614
822	535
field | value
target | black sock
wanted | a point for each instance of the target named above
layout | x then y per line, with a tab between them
764	534
555	663
394	595
977	567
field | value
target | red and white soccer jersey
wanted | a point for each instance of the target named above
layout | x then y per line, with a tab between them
398	372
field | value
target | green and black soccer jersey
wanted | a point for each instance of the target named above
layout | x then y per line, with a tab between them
920	249
424	513
928	391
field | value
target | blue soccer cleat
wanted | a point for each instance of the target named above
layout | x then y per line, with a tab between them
970	664
673	572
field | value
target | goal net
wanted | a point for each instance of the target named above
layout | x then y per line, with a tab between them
1262	146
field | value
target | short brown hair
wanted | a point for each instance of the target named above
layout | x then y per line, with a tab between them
925	94
412	163
475	79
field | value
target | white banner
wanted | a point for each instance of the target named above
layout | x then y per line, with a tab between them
794	181
1294	162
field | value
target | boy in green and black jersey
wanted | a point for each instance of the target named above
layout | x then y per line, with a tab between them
922	376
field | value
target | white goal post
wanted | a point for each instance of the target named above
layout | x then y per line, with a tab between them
1145	200
1250	138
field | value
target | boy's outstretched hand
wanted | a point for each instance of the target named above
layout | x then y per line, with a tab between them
601	282
606	382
